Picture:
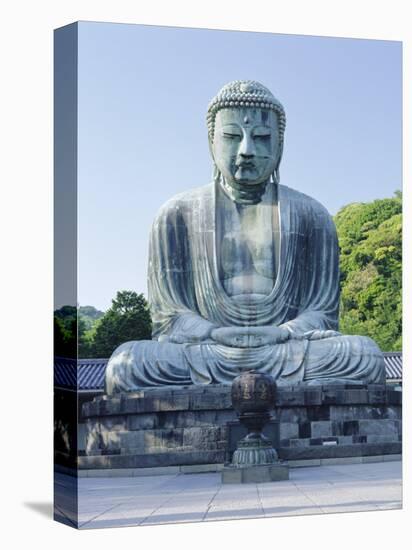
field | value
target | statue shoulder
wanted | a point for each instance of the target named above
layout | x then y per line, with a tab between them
304	203
182	204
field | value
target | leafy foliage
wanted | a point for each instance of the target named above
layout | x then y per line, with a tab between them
89	318
88	332
65	332
370	238
127	319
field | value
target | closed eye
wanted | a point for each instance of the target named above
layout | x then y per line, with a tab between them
231	136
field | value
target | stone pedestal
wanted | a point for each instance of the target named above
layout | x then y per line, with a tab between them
196	425
255	474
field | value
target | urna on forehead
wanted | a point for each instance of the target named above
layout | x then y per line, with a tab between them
246	116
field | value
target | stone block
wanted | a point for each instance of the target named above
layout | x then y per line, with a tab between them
339	413
337	428
343	413
133	405
110	407
211	400
315	441
373	458
291	414
332	395
255	474
134	394
394	397
393	412
166	417
345	440
288	430
201	437
176	402
265	473
378	427
171	438
330	440
351	427
313	396
147	421
321	451
321	429
392	458
158	471
341	460
222	417
113	423
359	439
132	440
380	438
302	442
85	410
288	398
356	396
318	413
305	430
358	412
201	468
111	440
231	475
303	463
94	442
91	409
377	396
152	460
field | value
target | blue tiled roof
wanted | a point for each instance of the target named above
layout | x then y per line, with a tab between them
88	374
393	365
84	374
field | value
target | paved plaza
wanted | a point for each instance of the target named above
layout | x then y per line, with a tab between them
150	500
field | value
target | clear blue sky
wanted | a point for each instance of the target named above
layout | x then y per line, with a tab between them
143	95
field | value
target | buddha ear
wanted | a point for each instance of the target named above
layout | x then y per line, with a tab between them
279	153
275	173
216	174
211	150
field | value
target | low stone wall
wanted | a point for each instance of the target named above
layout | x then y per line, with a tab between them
197	425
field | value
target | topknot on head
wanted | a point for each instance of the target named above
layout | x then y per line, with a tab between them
244	93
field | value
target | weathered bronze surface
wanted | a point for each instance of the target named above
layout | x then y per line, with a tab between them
244	272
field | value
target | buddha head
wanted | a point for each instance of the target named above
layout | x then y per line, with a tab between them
246	125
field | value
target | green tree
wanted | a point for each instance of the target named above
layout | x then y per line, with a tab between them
127	319
89	318
65	332
370	238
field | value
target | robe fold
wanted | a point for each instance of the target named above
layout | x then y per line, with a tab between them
186	297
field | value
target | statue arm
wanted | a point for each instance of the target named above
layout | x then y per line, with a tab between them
170	281
319	300
189	328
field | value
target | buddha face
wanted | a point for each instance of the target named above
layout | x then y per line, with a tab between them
246	145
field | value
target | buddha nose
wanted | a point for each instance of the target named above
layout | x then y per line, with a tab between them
247	147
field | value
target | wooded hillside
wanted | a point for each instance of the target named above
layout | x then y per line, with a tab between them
370	238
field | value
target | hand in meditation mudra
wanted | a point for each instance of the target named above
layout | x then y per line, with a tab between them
244	272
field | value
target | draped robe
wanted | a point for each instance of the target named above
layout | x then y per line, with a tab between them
185	293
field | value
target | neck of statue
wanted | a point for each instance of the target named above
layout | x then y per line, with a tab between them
243	193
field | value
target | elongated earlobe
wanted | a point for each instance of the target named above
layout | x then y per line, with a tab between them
217	175
275	176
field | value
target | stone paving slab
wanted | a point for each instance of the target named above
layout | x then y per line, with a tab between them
176	498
